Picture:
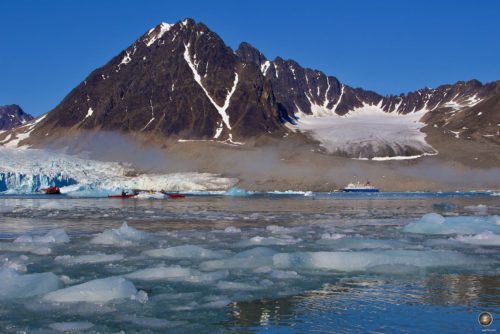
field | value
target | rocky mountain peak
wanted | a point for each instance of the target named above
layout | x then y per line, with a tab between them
249	54
12	116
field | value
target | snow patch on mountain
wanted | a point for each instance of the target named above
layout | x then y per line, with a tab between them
153	37
21	133
221	110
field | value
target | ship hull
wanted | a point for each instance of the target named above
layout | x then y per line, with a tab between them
360	190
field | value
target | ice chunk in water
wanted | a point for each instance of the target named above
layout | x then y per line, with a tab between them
487	238
57	236
97	291
150	195
332	236
71	326
278	229
252	258
159	273
123	235
14	285
479	209
92	258
433	223
184	252
150	322
239	286
359	243
268	241
232	229
360	261
177	273
284	274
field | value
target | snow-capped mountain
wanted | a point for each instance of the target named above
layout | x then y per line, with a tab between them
180	81
12	116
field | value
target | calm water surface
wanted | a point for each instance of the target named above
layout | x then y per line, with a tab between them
271	264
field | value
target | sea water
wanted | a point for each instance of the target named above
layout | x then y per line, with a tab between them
272	263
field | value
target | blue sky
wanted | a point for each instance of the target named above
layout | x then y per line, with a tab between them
48	47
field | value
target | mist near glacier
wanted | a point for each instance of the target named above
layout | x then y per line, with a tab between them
284	164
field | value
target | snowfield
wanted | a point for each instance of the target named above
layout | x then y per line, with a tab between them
28	171
368	133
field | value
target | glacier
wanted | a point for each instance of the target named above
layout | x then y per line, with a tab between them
29	171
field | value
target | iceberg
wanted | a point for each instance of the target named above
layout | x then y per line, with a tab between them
14	285
121	236
95	291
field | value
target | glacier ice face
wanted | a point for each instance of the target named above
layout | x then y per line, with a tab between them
28	171
14	285
95	291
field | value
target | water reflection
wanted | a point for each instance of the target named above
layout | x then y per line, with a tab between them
355	304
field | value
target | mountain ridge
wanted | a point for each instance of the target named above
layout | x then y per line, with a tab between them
181	81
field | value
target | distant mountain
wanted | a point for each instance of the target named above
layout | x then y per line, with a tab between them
181	82
12	116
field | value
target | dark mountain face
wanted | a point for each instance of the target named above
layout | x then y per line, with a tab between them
182	82
12	116
177	81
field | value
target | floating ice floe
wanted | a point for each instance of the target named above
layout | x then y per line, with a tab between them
71	326
359	243
88	259
479	209
232	229
487	238
252	258
239	286
184	252
150	195
268	241
332	236
433	223
121	236
14	285
56	236
95	291
362	261
150	322
176	274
